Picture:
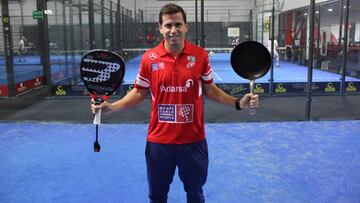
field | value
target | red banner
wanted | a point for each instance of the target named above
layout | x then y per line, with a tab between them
28	84
3	90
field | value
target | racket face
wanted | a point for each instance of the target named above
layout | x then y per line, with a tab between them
102	72
250	60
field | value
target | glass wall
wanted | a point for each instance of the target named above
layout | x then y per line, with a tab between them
292	34
3	76
130	28
26	65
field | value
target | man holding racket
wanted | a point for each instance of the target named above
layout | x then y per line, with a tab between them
177	74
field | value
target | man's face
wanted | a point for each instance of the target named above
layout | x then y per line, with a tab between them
173	29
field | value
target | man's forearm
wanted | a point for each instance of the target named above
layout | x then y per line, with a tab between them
215	93
134	97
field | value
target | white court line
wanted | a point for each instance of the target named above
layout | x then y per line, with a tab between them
216	75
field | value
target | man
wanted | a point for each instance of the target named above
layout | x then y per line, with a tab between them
107	43
276	46
176	73
22	48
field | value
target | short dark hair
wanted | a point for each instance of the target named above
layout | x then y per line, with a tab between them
171	8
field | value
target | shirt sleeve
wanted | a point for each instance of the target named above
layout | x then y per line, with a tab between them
206	75
142	80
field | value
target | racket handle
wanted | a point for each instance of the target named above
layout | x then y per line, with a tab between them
97	118
252	109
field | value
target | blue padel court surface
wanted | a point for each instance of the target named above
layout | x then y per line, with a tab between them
220	62
249	162
223	72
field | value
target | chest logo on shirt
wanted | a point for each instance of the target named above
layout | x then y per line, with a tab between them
177	89
191	58
157	66
152	56
176	113
191	61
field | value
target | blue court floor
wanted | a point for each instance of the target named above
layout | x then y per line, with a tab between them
249	162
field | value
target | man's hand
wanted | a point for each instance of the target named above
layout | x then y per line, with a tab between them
105	107
249	100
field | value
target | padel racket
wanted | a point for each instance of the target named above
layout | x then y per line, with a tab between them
102	72
251	60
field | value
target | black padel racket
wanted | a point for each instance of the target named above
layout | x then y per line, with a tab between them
251	60
102	72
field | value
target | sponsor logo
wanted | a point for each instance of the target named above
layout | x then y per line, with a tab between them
189	83
37	82
152	56
280	88
330	87
351	87
191	58
258	89
104	74
175	89
176	113
21	87
157	66
191	61
60	91
190	64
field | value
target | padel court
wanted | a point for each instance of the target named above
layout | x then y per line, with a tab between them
60	59
248	162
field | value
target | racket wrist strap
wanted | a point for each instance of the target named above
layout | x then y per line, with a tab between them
237	104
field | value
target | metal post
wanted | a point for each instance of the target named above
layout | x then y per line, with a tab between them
318	40
44	44
8	45
262	22
202	25
111	26
310	64
118	27
340	42
91	25
102	24
22	17
345	48
271	80
196	22
256	20
65	33
71	29
250	24
81	27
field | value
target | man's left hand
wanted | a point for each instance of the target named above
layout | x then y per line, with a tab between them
249	100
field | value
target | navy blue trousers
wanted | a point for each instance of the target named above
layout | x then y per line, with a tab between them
192	162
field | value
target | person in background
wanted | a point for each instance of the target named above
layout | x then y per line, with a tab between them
288	53
22	49
235	41
107	43
276	54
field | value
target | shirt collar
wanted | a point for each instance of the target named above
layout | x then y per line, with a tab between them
163	51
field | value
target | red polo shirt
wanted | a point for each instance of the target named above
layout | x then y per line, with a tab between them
175	85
